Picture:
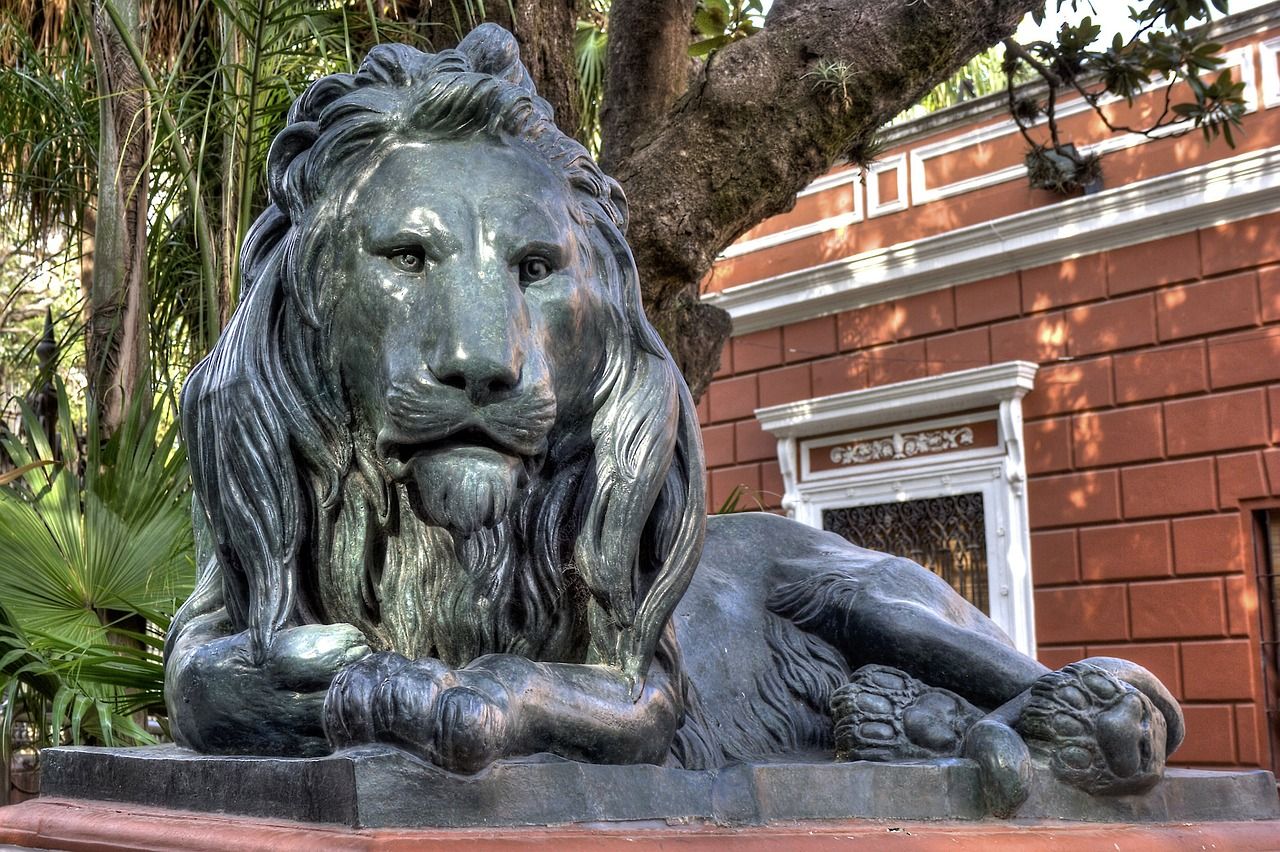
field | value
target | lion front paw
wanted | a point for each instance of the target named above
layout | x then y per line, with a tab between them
885	714
459	719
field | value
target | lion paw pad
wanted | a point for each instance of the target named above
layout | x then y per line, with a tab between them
885	714
1095	731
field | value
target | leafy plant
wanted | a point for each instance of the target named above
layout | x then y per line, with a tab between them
833	77
95	545
590	46
718	22
218	77
736	498
1164	52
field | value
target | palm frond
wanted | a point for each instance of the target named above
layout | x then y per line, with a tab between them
88	543
590	46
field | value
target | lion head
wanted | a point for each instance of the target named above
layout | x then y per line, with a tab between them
439	412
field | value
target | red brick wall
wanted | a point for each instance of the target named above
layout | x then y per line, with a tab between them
1153	418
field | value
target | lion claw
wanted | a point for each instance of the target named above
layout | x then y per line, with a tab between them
883	713
456	719
348	717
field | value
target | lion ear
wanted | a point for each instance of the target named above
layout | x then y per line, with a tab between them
492	50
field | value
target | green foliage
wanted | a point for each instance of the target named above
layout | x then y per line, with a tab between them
227	88
719	22
983	75
833	77
1165	50
48	147
94	545
218	84
732	502
1063	169
590	47
736	499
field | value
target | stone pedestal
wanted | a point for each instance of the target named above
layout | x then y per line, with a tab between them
168	798
103	827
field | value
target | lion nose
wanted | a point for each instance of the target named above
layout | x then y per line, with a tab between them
479	328
484	376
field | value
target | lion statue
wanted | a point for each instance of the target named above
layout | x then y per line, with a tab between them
450	494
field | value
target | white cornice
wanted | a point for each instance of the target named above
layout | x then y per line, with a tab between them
1223	191
917	399
810	229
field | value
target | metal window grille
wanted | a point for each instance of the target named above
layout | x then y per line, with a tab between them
947	535
1267	538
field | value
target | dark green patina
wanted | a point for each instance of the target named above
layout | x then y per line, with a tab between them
450	495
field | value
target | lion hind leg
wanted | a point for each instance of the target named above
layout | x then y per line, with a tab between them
938	637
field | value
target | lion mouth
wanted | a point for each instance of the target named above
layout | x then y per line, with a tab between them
400	453
424	422
405	451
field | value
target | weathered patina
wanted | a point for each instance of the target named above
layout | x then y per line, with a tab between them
450	495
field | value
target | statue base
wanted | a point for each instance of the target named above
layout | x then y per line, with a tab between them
383	788
60	824
101	827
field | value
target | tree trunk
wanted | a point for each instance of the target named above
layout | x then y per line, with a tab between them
646	71
233	212
764	117
117	341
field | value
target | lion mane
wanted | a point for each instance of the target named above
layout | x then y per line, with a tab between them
301	525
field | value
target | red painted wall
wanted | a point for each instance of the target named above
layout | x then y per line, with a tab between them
1152	432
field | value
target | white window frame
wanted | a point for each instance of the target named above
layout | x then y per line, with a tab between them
997	473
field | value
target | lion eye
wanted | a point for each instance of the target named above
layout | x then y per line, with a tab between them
534	268
408	260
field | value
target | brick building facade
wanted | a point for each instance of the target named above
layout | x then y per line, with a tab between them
1150	437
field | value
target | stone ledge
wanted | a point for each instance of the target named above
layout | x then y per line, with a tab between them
103	827
384	788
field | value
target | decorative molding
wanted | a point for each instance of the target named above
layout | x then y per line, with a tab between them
1268	51
830	181
1240	59
895	473
875	207
914	400
921	155
902	446
1227	190
815	453
992	108
852	177
812	229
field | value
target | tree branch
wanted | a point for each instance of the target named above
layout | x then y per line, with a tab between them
647	69
767	115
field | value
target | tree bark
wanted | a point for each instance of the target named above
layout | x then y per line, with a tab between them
646	71
117	343
233	212
764	117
